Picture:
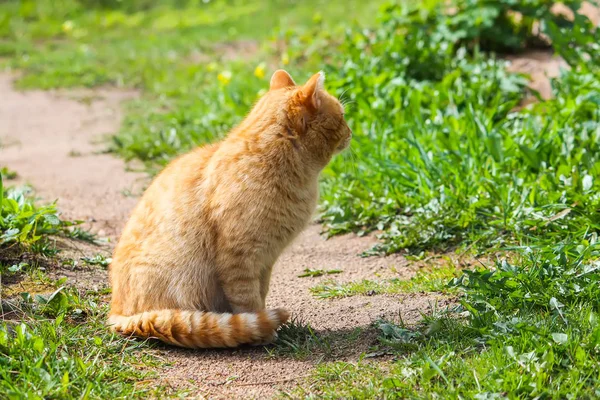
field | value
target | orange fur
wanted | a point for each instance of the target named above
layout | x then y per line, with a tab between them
201	243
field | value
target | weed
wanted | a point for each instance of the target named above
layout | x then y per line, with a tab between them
21	221
299	339
81	234
434	280
18	267
309	272
8	174
98	259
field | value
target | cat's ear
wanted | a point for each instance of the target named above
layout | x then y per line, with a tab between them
311	91
281	79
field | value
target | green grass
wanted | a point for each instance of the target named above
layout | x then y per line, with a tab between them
61	348
20	221
441	158
433	280
27	227
163	49
299	340
98	259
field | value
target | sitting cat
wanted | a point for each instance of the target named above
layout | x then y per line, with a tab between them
193	264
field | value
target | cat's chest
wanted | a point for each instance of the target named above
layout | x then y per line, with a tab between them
292	214
297	203
277	215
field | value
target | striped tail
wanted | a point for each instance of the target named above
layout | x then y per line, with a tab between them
200	329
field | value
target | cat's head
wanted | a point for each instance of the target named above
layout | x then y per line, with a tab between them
313	120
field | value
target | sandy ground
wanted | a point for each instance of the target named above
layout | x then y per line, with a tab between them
51	139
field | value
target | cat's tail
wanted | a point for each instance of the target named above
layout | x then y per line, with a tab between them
199	329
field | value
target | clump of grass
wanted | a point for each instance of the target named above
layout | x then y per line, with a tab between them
61	348
8	174
313	273
434	280
24	226
98	259
298	339
548	281
21	222
82	234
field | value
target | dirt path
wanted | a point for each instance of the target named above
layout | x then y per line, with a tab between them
47	138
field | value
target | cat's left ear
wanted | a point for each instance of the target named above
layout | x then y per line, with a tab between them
311	91
281	79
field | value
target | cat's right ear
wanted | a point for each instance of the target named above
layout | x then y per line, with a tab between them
281	79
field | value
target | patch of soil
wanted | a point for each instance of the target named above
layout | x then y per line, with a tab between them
16	282
542	65
225	51
72	266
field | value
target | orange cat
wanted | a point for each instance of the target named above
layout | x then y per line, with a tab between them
193	264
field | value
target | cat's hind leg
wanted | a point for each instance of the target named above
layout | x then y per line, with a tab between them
244	293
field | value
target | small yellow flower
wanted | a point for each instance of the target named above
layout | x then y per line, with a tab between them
68	26
224	77
259	71
285	59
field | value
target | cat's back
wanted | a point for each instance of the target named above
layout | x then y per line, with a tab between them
183	174
171	201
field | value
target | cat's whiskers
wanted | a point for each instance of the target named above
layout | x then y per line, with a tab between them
350	164
348	103
341	97
353	163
